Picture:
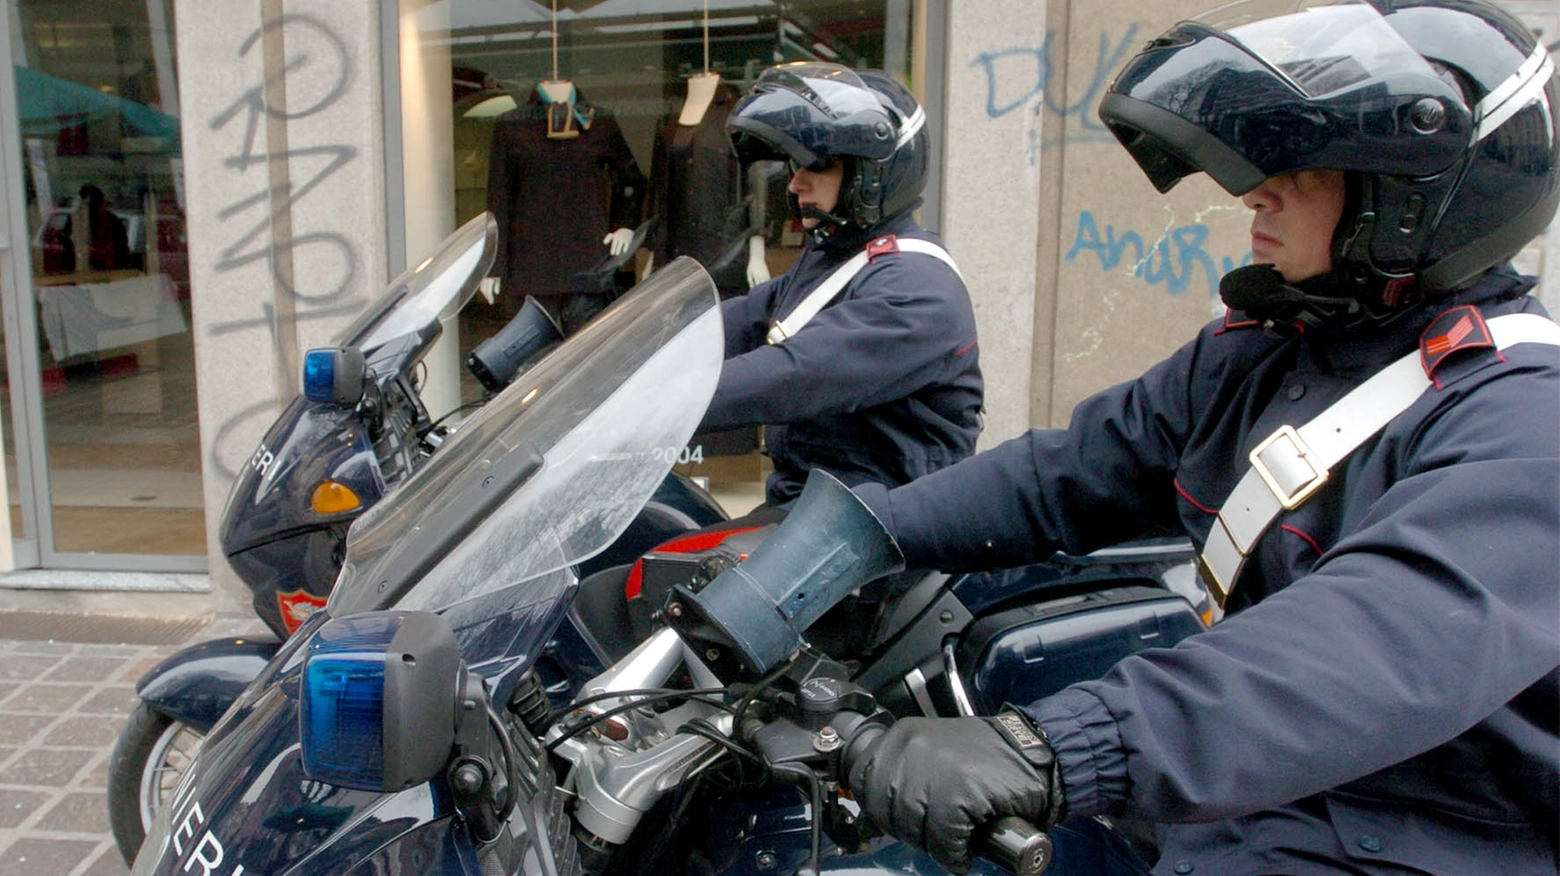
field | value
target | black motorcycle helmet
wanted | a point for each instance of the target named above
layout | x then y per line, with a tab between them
1441	113
809	113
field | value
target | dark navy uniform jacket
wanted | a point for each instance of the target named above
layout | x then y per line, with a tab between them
1384	696
882	385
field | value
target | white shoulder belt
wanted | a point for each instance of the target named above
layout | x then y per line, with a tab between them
1291	464
832	284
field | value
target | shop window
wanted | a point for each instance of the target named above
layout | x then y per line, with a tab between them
597	119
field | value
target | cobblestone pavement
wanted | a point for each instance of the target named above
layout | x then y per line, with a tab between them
61	707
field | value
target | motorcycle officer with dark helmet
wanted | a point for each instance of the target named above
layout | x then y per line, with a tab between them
1366	451
861	359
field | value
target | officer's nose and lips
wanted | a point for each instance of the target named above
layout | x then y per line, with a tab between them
1296	214
817	188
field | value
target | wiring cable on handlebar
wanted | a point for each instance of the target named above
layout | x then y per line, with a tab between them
465	407
701	694
815	789
687	792
701	727
758	687
689	789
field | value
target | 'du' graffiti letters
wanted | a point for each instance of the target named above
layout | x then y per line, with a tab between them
1015	76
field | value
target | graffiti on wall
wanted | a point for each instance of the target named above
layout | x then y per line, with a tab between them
1176	261
308	70
1173	258
1022	77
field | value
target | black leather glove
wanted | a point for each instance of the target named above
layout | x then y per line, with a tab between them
933	782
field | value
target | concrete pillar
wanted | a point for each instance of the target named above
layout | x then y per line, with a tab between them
1082	274
284	174
991	188
1106	276
428	172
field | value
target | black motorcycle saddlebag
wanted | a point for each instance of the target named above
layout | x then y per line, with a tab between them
1019	655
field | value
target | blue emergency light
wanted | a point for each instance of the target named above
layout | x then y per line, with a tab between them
334	375
379	694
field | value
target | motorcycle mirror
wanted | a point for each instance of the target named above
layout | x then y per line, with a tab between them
827	546
497	360
379	697
334	375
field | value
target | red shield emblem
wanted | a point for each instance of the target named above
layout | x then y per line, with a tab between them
296	606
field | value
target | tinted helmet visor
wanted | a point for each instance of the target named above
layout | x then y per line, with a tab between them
1259	88
809	113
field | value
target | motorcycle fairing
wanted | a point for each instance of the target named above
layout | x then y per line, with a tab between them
605	414
248	789
308	443
267	522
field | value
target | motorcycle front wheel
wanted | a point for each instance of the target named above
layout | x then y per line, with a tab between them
152	752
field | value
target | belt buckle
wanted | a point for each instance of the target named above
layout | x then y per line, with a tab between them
1290	498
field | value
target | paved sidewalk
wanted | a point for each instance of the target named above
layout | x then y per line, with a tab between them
69	661
62	705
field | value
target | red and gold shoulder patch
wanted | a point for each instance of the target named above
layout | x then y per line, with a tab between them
1460	328
888	244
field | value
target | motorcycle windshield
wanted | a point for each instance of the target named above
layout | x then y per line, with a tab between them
555	467
432	291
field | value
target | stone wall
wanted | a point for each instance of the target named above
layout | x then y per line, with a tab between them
285	187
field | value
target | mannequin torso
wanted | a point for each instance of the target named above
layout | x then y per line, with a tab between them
701	90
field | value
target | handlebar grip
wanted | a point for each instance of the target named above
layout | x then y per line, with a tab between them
1015	845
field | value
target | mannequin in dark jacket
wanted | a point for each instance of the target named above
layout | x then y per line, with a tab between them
1381	696
883	383
550	160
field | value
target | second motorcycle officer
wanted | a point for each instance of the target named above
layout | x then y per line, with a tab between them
1383	694
876	378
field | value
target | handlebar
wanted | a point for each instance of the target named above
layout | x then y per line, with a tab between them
1015	845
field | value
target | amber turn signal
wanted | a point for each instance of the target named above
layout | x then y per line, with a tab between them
333	498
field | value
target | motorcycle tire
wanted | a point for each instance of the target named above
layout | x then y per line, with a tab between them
150	755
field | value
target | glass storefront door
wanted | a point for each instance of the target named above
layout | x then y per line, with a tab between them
102	449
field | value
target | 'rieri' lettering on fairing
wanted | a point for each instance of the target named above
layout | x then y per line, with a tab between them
203	846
